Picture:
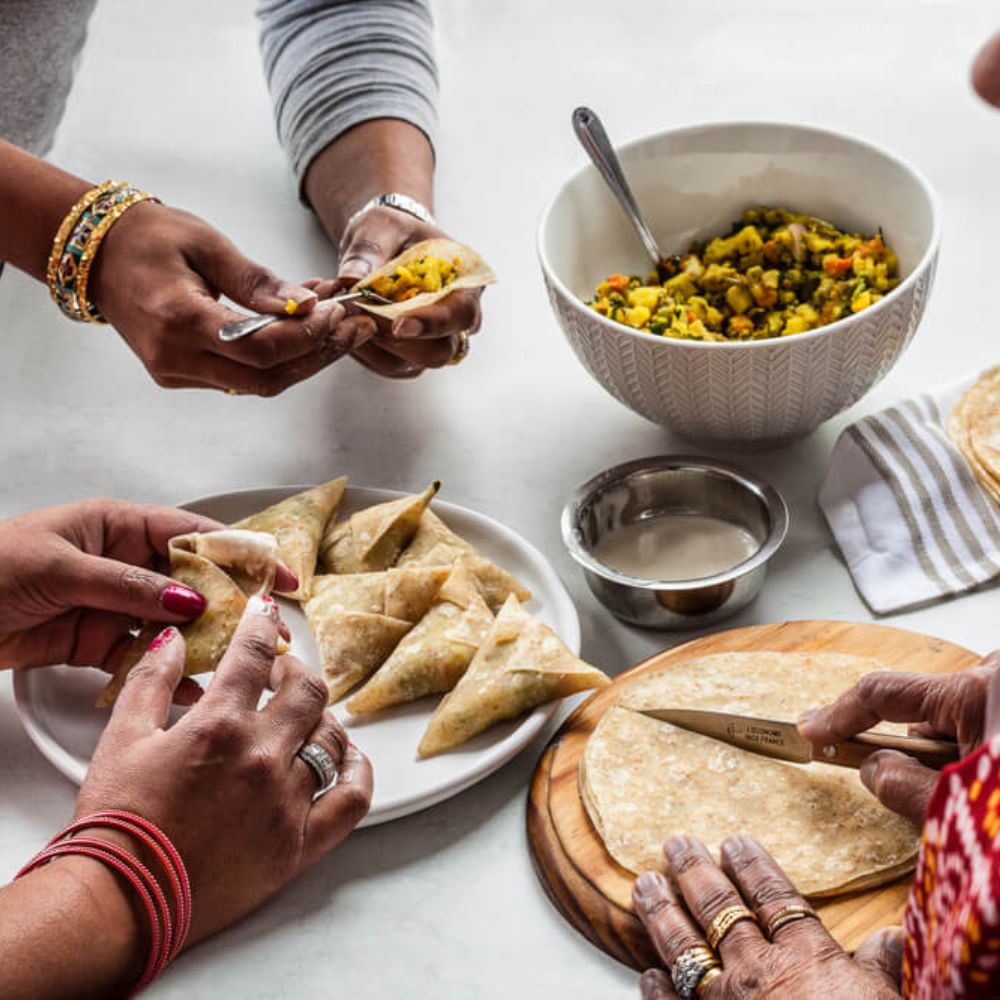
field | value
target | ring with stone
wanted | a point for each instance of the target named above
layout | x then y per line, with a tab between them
322	764
690	968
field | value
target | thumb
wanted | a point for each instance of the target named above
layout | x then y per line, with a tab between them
248	283
375	238
899	782
106	584
882	953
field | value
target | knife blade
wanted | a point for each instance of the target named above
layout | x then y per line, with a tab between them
783	741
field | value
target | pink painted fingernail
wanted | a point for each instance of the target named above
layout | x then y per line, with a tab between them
167	635
181	600
409	328
261	604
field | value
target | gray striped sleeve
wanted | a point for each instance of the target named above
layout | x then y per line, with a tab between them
332	64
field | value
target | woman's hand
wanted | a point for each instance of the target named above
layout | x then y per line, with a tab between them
798	960
75	579
425	338
225	782
157	278
942	706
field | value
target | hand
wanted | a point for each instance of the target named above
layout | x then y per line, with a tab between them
224	783
74	580
157	279
986	72
941	706
800	960
425	338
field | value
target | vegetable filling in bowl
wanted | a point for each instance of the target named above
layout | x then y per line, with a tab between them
778	273
424	274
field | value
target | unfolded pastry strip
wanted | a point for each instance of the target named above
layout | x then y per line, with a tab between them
521	664
357	619
298	523
435	653
225	567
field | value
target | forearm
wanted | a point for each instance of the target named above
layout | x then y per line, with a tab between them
34	198
372	158
68	930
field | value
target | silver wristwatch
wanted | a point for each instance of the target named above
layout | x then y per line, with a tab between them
401	202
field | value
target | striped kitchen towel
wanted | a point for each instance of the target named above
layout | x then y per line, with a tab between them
910	518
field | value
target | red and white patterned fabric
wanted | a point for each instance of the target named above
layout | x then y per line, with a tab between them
953	914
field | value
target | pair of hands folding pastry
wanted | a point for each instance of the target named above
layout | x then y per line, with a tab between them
400	604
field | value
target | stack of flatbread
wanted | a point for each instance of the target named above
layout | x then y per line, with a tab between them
400	605
974	426
643	780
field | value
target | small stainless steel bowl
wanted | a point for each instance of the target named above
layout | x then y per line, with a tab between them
674	484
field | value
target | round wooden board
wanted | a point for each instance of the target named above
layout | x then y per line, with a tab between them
584	882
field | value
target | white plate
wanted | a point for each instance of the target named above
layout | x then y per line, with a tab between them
56	704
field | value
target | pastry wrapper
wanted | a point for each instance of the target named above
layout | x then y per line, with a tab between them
643	781
225	567
298	523
522	664
474	272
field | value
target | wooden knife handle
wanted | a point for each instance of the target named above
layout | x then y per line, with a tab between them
852	753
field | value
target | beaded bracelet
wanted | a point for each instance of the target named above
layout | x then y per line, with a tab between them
166	937
77	242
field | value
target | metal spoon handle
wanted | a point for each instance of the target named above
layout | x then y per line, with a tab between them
244	327
594	140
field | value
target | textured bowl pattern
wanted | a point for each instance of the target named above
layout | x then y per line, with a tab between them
773	389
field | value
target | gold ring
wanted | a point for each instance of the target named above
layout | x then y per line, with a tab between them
707	980
463	349
724	921
232	392
787	915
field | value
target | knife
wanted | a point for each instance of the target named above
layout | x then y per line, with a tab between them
783	741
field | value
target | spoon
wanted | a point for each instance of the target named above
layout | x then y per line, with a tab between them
590	131
244	327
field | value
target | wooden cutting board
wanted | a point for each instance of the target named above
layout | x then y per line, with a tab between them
592	891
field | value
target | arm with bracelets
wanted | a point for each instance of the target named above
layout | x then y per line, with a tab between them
112	253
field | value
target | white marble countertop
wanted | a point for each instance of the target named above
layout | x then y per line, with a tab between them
445	903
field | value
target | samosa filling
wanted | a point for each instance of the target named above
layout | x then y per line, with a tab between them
423	274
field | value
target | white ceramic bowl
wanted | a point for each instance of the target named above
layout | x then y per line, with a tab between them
692	183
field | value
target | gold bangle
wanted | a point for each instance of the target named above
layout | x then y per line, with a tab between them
788	914
724	921
88	312
62	233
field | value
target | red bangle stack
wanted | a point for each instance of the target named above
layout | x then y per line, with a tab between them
167	932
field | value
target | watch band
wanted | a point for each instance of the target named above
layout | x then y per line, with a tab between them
393	199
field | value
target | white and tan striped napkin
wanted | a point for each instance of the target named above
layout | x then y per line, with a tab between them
910	518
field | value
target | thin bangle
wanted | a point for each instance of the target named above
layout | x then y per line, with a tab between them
398	201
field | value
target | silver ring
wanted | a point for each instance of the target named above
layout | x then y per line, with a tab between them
322	764
689	968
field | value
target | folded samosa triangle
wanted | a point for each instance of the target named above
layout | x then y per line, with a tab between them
225	567
358	618
522	664
371	540
298	523
435	653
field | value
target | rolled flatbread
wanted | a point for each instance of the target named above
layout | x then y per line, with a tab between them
435	544
225	567
643	781
358	618
471	271
435	653
372	539
298	523
521	664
